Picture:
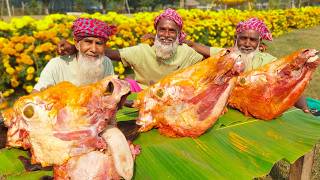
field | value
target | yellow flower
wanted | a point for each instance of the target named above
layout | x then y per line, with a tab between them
18	68
29	40
11	91
26	59
14	83
65	35
19	47
10	70
121	70
55	40
122	76
29	88
8	50
6	64
119	41
47	57
29	77
36	79
30	70
4	105
6	94
30	48
126	44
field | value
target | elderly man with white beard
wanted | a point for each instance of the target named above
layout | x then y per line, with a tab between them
89	64
151	63
249	36
168	54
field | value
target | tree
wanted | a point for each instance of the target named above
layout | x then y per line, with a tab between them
137	4
104	4
45	4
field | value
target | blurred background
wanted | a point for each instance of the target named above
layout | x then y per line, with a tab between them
44	7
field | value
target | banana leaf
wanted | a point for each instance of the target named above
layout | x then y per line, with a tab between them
235	147
12	168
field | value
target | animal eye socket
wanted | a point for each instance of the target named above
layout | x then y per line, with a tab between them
28	111
242	81
159	93
227	52
109	89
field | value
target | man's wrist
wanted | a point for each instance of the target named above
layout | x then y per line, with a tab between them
305	109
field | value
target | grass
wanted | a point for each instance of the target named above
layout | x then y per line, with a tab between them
298	39
281	46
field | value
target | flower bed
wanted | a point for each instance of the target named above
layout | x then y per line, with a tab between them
26	44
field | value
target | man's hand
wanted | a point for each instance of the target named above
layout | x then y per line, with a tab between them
128	103
147	37
302	104
65	48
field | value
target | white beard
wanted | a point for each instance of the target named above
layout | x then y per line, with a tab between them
247	58
90	70
165	51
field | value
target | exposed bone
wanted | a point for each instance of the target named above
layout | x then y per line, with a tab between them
121	153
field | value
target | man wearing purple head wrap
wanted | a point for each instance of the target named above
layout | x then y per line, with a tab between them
168	54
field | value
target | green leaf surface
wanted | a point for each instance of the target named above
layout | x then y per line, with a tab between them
12	168
236	147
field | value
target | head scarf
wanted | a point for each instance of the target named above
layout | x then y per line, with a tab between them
85	27
174	16
257	25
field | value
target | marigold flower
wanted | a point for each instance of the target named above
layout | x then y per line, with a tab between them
10	70
47	57
19	47
29	88
36	79
29	77
14	83
121	76
121	70
6	94
30	70
4	104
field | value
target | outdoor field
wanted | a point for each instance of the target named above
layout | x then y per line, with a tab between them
197	119
281	46
297	39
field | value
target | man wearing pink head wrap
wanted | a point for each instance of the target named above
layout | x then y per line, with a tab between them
249	35
168	54
248	39
89	64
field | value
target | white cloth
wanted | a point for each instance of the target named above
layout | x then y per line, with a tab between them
64	68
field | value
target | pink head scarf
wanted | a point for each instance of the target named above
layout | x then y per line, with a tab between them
85	27
174	16
257	25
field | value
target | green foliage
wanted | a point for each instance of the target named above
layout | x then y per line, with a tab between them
236	146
